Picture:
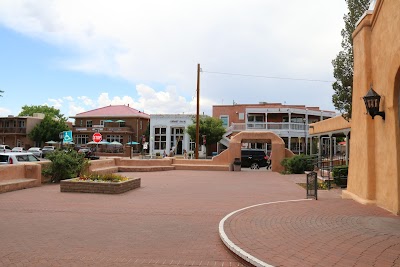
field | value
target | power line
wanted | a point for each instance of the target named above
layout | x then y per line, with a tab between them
266	77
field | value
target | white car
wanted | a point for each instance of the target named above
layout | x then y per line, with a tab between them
5	148
37	151
16	158
18	149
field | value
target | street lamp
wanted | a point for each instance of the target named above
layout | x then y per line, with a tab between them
372	101
305	136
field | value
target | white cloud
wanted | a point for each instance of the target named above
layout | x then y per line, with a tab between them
56	103
158	41
149	100
68	98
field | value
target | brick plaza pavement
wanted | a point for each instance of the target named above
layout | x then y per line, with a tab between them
171	220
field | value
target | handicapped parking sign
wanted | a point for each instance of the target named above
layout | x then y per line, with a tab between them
67	136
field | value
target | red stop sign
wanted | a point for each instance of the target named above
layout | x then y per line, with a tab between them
97	137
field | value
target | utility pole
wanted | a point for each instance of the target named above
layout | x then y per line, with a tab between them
196	151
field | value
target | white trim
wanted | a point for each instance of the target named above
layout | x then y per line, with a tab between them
236	249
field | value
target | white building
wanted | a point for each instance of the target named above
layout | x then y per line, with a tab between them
168	131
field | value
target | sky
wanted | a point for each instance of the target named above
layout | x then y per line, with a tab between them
80	55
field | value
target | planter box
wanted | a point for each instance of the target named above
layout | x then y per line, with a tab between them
95	187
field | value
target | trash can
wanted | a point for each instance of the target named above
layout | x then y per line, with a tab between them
237	165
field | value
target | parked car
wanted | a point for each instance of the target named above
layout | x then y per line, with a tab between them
5	148
254	158
18	149
47	150
37	151
16	158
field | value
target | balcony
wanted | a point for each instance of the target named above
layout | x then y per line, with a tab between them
78	129
13	130
280	128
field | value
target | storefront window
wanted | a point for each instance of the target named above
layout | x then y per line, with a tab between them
160	138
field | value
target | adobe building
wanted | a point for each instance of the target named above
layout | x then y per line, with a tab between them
115	123
374	171
374	163
14	130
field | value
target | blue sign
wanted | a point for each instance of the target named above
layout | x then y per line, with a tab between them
67	136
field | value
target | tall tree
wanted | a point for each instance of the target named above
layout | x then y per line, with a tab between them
210	127
344	61
46	110
49	128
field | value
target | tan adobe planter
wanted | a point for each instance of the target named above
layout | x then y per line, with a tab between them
72	185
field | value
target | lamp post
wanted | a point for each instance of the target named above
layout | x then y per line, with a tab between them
372	101
305	136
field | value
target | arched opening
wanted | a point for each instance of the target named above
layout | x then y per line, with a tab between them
277	146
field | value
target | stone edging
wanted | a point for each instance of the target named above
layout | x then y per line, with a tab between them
235	248
103	188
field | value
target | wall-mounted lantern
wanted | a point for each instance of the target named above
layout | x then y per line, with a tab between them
372	101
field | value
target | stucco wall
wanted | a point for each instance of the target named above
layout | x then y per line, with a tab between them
329	125
374	169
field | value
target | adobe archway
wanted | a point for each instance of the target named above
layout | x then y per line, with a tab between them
278	146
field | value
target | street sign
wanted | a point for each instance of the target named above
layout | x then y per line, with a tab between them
67	136
97	137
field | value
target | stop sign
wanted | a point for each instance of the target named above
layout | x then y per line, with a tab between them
97	137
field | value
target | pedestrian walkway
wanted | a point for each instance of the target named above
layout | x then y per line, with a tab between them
173	220
327	232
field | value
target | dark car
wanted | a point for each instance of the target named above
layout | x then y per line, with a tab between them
254	158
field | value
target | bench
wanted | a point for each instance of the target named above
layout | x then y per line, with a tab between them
19	176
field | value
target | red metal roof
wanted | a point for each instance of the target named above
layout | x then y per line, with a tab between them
120	111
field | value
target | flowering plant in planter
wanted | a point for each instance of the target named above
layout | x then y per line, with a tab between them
101	178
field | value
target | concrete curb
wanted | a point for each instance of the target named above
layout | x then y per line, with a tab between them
235	248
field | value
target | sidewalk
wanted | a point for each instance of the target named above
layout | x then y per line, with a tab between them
172	220
326	232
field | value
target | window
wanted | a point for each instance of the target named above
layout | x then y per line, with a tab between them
256	117
21	124
225	120
81	139
102	123
118	138
89	123
160	138
141	125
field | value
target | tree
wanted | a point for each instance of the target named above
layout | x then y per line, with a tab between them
1	92
48	129
46	110
210	127
344	61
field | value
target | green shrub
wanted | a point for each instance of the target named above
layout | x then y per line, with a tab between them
340	172
297	164
65	165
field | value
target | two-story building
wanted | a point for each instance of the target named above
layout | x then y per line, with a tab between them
115	123
14	130
290	122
